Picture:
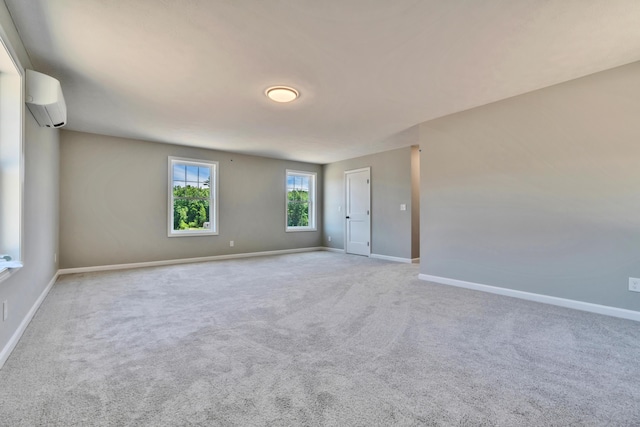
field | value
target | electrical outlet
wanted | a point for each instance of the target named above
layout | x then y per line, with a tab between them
403	207
634	284
5	310
329	238
231	243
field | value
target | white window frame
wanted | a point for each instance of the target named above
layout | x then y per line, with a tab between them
11	158
312	201
213	197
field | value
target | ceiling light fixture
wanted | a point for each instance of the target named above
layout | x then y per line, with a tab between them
282	94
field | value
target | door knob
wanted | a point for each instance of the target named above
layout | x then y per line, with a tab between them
347	217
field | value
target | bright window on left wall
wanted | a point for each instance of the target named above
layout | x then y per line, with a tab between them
193	201
11	158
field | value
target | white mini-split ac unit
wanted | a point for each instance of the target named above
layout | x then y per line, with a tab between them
45	100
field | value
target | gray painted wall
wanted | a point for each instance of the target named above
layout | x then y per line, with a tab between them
113	198
390	186
40	210
540	192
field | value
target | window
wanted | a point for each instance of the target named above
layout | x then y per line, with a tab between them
301	201
11	158
193	204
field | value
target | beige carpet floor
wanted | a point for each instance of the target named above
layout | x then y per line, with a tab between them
312	339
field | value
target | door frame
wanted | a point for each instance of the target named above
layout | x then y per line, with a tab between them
344	213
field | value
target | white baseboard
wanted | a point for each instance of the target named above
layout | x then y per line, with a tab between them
337	250
392	258
184	260
546	299
13	341
384	257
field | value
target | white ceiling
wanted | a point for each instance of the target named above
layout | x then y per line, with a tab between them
194	72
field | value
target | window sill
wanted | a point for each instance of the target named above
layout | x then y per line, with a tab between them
295	230
8	268
194	234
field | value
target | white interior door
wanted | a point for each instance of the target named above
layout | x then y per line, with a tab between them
358	211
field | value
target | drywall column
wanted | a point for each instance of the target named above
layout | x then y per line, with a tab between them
415	202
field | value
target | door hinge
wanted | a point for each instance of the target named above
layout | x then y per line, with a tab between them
367	212
367	181
367	243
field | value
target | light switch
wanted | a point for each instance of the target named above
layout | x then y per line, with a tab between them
403	207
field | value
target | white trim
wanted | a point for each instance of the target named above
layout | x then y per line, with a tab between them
213	198
392	258
546	299
346	209
4	274
312	202
337	250
415	260
8	268
13	341
16	131
184	260
364	169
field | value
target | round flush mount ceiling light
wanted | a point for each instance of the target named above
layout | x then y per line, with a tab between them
282	94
